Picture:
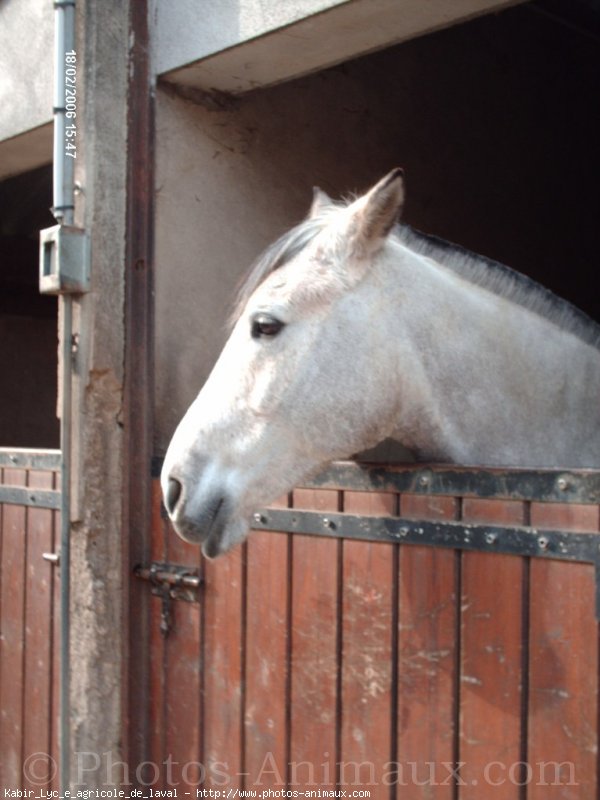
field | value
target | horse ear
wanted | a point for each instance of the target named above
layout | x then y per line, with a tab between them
319	201
376	212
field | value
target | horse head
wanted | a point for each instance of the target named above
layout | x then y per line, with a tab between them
302	378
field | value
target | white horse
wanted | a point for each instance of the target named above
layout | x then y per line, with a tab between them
351	329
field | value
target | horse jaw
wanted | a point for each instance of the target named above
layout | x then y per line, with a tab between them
223	497
221	494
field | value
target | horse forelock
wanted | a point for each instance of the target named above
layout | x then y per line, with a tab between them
281	252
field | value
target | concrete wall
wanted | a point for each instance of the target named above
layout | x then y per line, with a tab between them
26	70
492	121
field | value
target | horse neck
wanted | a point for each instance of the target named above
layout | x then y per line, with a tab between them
481	378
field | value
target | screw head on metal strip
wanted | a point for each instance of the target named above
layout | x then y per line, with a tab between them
543	542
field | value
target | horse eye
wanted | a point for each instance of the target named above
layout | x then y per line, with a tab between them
265	325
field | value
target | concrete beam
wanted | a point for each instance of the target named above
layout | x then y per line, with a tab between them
329	35
25	152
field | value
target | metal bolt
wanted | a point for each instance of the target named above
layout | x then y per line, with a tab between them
259	519
328	523
562	484
13	458
543	542
491	537
403	532
424	480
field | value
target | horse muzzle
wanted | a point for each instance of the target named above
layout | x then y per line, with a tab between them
197	520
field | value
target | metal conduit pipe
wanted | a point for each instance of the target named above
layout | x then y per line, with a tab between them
63	210
63	165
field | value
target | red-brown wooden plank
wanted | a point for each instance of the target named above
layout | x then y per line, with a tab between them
426	659
12	604
182	658
267	645
368	598
315	611
223	670
38	641
491	658
563	687
566	516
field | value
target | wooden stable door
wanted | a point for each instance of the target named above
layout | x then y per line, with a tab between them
318	663
29	619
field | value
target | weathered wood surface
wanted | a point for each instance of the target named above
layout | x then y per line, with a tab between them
407	671
28	638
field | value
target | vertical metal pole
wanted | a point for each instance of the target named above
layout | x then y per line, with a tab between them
65	543
138	375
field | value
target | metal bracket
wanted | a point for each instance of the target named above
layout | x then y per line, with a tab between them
25	458
170	582
24	496
541	485
517	541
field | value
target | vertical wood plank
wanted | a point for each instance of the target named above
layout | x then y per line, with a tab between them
368	598
315	609
563	689
12	603
223	660
491	658
38	639
427	658
182	687
267	643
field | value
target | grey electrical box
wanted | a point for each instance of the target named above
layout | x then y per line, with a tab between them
64	260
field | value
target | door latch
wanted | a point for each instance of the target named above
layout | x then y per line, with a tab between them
170	582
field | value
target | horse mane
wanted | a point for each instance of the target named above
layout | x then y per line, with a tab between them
491	275
502	281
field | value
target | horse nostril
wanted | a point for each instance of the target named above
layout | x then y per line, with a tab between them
173	494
